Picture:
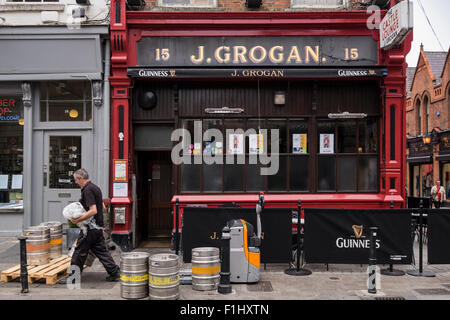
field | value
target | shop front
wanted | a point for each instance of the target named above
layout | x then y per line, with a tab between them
420	161
213	108
443	157
52	114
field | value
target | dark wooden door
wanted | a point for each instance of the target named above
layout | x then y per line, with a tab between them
159	173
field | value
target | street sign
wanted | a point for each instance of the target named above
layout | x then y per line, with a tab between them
396	24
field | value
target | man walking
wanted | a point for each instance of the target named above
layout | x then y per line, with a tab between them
91	199
437	194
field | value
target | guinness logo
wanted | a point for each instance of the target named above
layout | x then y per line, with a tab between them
372	72
357	230
172	73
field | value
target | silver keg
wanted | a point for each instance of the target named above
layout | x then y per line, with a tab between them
38	245
205	268
134	275
56	238
164	276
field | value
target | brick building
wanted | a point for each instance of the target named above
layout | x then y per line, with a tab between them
428	123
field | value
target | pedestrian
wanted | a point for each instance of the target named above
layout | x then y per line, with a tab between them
91	199
437	194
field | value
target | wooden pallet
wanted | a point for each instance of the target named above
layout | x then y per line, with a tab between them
52	272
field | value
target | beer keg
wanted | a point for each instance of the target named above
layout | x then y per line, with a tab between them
205	268
56	238
38	245
134	275
164	276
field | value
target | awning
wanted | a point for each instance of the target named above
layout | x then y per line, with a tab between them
420	159
443	157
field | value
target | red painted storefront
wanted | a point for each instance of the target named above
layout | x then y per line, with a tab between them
128	28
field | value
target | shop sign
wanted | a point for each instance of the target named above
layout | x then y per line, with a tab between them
419	148
256	51
9	109
396	24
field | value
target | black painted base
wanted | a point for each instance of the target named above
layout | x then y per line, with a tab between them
393	272
424	273
123	240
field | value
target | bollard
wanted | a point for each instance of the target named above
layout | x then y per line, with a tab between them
177	221
23	264
421	272
372	288
224	285
298	271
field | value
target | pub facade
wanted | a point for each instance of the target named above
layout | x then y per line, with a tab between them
214	107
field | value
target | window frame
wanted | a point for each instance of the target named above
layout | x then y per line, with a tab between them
296	5
161	4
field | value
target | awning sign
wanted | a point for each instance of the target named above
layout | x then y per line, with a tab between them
396	24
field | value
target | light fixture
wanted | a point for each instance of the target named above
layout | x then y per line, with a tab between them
347	115
224	110
426	139
73	113
26	91
21	122
97	93
279	98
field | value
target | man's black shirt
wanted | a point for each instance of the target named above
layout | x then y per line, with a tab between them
91	194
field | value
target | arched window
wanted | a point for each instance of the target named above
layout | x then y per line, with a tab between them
419	118
427	113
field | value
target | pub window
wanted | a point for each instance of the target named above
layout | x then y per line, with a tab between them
188	3
347	155
317	3
11	150
66	101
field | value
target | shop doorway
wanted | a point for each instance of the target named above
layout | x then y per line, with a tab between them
154	193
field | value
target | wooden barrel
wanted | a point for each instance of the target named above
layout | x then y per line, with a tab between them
205	268
38	245
164	276
134	275
56	238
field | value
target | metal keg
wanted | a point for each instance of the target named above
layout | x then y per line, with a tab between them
164	276
134	275
38	245
56	238
205	268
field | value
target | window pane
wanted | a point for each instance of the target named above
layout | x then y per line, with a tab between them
317	2
367	174
346	136
277	182
299	173
66	90
257	145
189	3
11	150
346	173
298	135
65	111
326	174
255	181
64	160
235	136
280	125
215	145
190	176
368	133
234	177
212	177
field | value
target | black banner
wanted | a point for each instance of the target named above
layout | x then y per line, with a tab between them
342	235
202	227
254	73
414	202
438	236
257	51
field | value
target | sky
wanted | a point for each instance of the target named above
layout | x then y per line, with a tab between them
438	12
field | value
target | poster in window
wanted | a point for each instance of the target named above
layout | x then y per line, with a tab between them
255	142
16	181
326	143
218	148
299	143
156	171
208	148
236	143
4	181
197	148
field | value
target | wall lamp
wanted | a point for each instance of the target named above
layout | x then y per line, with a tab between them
279	98
347	115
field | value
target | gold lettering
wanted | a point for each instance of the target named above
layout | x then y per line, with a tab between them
314	54
281	73
245	73
200	55
263	54
214	236
294	55
239	54
235	74
280	56
226	55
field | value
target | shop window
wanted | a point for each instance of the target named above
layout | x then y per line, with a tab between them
11	150
66	101
446	180
64	160
190	176
317	3
188	3
327	174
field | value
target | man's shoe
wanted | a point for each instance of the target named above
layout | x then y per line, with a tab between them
113	277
